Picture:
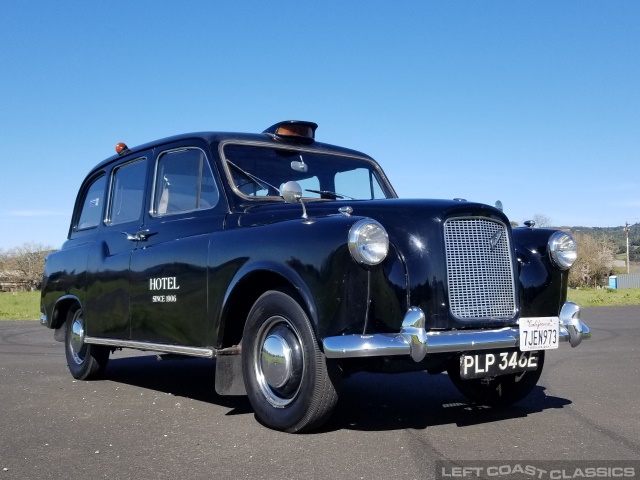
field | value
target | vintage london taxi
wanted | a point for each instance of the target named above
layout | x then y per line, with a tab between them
293	262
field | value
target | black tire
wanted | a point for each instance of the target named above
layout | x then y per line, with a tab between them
85	361
497	391
294	390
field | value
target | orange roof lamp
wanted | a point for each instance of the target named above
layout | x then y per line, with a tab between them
121	148
294	130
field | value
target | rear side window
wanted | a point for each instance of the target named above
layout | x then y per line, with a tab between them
184	182
92	205
127	192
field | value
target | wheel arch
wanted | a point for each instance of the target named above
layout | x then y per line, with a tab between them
61	308
247	287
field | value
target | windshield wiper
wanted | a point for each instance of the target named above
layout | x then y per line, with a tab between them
253	178
327	193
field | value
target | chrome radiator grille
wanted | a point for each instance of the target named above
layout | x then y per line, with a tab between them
479	269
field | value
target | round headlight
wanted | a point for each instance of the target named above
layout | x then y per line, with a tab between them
563	250
368	242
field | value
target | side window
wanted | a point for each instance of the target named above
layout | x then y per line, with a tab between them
91	213
127	192
184	182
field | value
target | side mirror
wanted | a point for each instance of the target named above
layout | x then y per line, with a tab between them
291	192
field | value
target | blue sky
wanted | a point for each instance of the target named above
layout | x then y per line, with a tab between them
535	103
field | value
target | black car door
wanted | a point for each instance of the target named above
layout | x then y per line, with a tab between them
169	267
107	288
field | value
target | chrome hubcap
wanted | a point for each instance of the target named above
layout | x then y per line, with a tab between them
276	361
279	361
76	339
77	336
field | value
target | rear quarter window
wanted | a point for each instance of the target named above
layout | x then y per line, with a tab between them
92	205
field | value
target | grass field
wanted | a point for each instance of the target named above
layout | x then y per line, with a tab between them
26	305
605	297
19	306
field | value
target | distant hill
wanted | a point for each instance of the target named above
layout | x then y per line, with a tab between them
616	234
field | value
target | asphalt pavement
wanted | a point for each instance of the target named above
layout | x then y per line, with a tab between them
163	420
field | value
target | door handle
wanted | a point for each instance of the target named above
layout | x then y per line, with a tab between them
139	236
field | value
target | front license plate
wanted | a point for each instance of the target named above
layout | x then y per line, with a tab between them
539	333
494	364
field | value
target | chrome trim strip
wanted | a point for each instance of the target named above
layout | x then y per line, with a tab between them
415	341
473	340
348	346
156	347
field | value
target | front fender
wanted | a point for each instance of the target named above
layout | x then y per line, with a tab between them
311	256
542	286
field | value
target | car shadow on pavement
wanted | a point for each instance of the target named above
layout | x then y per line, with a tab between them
378	402
189	377
368	401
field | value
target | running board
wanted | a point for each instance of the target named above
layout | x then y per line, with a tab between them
155	347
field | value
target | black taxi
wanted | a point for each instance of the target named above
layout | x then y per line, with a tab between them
292	263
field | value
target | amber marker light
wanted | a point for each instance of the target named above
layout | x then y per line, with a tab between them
121	148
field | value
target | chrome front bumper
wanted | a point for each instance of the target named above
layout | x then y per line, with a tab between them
416	341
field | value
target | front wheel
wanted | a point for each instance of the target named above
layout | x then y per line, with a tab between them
85	361
502	390
288	380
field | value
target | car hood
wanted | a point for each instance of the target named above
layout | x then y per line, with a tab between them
398	216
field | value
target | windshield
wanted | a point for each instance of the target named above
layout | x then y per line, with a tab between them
260	171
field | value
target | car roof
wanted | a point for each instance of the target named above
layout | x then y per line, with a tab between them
214	138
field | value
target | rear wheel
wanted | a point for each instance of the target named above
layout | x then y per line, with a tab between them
288	380
85	361
497	391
